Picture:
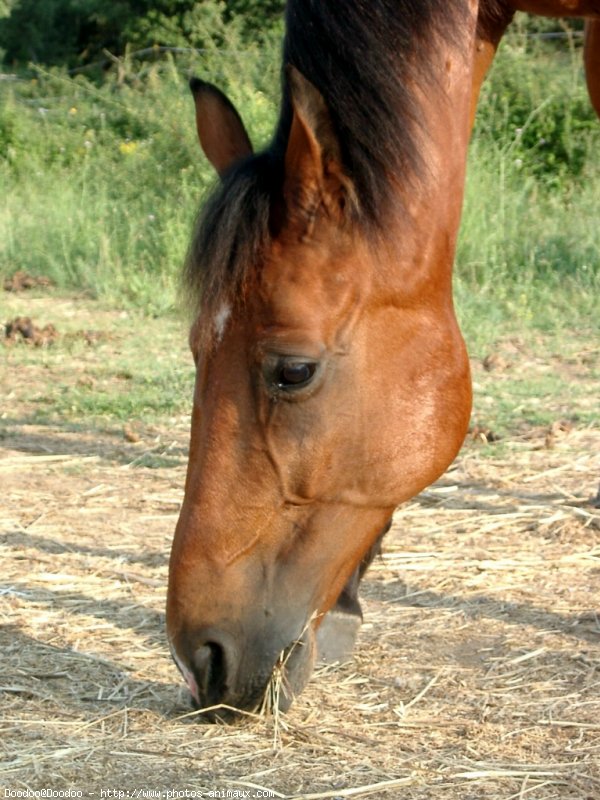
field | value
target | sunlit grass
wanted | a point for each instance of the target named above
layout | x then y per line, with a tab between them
102	183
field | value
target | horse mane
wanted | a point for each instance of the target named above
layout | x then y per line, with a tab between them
366	58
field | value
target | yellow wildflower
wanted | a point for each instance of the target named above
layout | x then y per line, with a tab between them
128	147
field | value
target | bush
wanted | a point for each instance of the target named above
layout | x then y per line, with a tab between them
72	32
546	127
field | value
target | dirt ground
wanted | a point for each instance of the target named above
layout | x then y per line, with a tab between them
476	675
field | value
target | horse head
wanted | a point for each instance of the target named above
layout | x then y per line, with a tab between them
320	404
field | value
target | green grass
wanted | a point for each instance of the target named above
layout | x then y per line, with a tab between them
136	369
104	208
101	183
138	372
149	395
514	404
527	257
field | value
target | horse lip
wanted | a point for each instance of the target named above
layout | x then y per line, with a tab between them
268	689
187	674
295	665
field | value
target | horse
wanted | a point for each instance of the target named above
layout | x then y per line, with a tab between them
332	380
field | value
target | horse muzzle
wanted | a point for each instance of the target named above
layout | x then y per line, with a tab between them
227	673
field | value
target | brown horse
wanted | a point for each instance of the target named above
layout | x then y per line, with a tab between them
332	379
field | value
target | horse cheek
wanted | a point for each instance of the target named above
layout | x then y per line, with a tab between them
420	403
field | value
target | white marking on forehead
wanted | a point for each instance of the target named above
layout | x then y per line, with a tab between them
221	319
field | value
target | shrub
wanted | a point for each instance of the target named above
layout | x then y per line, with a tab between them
71	32
546	127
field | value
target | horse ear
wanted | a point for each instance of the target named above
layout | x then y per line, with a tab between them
313	166
220	128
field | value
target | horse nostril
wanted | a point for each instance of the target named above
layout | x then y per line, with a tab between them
210	669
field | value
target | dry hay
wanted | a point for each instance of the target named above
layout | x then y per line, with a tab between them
477	673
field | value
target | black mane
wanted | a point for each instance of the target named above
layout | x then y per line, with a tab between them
365	57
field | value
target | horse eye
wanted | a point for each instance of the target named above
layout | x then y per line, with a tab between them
294	374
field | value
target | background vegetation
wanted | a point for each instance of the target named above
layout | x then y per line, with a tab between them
102	176
71	32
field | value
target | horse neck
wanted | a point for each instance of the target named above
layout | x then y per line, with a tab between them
422	229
